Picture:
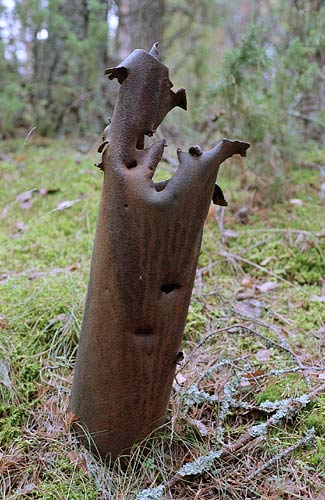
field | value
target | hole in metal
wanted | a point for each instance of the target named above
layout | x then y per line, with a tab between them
143	332
132	164
169	287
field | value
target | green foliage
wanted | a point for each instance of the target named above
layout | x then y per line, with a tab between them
10	91
60	87
260	86
246	91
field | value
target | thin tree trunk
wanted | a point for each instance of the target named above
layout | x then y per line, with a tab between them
140	25
143	266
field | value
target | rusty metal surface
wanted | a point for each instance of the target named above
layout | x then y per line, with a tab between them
143	266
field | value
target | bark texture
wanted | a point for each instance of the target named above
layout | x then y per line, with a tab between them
144	260
140	24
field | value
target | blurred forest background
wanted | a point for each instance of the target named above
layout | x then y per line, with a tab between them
252	69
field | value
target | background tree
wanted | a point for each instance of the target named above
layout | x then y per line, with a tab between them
256	68
63	49
140	24
11	89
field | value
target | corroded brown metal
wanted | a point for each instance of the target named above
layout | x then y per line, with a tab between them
145	255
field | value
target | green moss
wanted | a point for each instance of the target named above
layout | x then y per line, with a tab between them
76	488
196	321
12	420
291	385
316	417
313	152
317	458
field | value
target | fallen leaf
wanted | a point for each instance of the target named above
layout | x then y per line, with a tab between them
289	487
296	202
60	318
51	407
180	379
229	233
4	157
211	213
27	489
49	456
73	455
203	430
4	374
244	383
19	158
21	226
267	260
317	298
45	191
4	323
245	295
25	199
25	205
317	374
242	215
256	373
247	282
73	267
5	211
78	460
263	355
66	204
267	286
71	418
26	195
320	334
252	308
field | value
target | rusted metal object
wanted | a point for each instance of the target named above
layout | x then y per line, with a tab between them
145	255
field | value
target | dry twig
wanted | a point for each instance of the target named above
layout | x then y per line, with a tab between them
229	452
283	453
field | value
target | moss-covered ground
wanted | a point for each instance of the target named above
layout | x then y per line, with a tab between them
261	271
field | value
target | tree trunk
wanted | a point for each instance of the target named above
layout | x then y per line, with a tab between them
140	24
143	266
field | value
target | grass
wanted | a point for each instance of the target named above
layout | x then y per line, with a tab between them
46	246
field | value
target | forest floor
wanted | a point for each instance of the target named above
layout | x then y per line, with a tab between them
246	417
